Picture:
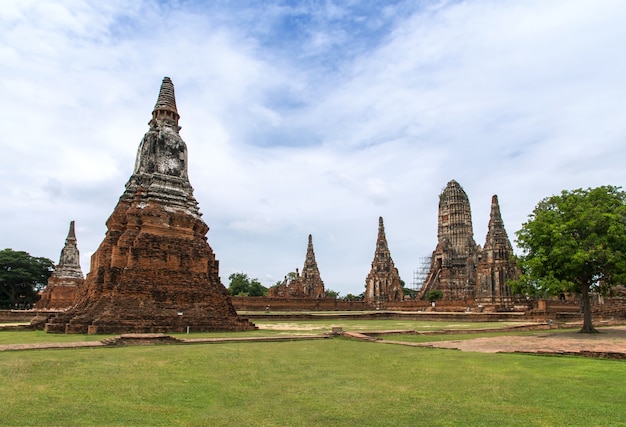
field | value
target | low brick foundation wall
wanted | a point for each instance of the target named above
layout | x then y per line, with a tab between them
10	316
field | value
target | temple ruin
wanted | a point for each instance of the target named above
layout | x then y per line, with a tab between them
66	279
154	271
383	282
496	265
309	284
460	268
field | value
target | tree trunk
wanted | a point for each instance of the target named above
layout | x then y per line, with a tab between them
586	302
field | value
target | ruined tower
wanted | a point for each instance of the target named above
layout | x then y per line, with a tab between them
154	271
383	281
309	284
496	265
453	263
66	279
311	279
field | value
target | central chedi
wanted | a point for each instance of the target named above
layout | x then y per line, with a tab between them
154	271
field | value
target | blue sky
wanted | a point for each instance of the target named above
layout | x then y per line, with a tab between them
312	117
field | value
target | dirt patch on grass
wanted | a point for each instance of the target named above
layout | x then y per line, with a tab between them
609	343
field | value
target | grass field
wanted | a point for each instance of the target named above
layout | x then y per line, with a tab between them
333	382
315	383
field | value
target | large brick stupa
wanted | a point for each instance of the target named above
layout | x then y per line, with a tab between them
154	271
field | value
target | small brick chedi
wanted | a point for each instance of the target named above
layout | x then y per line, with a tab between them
154	270
66	279
383	281
459	267
309	284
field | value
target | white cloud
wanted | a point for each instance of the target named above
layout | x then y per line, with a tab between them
317	125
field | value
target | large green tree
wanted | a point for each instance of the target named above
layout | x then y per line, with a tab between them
241	284
22	276
575	242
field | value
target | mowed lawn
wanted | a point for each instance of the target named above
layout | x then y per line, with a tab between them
330	382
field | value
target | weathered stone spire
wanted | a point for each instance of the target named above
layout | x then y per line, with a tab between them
69	262
497	239
455	223
381	241
453	263
154	271
383	281
496	265
67	277
161	165
311	279
165	111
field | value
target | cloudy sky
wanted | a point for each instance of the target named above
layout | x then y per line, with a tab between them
309	117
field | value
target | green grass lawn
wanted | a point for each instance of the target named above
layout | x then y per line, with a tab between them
334	382
309	383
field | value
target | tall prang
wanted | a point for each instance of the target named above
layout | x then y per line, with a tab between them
496	266
383	281
66	279
453	262
311	279
154	271
309	284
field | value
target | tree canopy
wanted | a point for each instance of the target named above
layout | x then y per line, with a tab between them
241	284
575	242
434	295
22	276
331	294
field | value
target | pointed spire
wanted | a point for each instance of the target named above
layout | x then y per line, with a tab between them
496	233
309	262
383	281
71	235
165	111
495	217
382	238
311	280
69	261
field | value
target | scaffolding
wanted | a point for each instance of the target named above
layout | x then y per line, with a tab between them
421	273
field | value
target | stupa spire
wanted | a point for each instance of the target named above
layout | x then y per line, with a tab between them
495	219
161	165
69	261
66	279
71	234
496	266
381	244
165	111
311	278
383	281
497	238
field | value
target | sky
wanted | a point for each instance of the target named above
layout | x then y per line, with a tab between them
309	117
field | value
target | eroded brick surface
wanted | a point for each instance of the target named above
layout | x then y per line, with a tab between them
154	270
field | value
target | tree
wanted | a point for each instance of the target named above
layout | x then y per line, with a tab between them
240	284
575	242
22	276
352	297
331	294
411	293
434	295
